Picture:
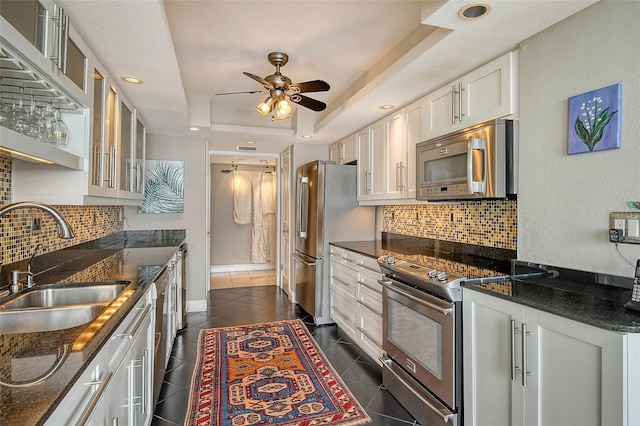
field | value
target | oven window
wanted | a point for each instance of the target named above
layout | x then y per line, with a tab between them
416	335
444	169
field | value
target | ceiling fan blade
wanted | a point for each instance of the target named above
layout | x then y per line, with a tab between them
260	80
313	86
308	102
241	93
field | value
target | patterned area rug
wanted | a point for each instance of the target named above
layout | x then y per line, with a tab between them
267	374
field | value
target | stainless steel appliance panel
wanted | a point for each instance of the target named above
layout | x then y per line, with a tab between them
183	252
426	409
159	359
326	210
308	272
474	163
310	211
419	333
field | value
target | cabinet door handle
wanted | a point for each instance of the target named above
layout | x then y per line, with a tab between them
370	287
135	328
145	381
338	280
514	367
453	104
368	336
112	166
345	317
460	97
525	373
370	308
86	413
65	42
96	165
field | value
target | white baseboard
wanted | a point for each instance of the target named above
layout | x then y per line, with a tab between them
196	305
245	267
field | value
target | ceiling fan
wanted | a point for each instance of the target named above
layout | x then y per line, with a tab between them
280	88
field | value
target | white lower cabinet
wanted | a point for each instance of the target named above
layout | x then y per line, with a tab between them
356	299
523	366
117	387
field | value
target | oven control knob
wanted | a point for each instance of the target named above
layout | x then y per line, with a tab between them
433	273
442	276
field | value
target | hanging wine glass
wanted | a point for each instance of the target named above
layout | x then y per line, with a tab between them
47	121
20	116
6	115
59	130
32	128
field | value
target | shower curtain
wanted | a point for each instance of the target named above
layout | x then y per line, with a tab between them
263	228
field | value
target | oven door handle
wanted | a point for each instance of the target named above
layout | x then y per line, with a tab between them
443	311
445	417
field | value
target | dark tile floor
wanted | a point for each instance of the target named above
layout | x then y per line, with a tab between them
250	305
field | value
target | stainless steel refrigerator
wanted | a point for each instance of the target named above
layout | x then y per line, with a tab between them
326	211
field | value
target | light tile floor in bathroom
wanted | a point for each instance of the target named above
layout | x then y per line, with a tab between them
242	279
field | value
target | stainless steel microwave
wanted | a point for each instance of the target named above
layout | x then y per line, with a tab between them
474	163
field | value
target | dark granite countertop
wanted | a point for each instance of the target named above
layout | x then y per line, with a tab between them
590	298
121	257
368	248
579	297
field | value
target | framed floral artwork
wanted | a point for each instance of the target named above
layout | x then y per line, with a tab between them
163	187
594	120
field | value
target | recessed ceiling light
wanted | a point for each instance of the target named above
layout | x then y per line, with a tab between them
250	142
307	136
131	79
474	10
194	129
386	106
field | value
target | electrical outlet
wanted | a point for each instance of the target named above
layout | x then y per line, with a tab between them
619	224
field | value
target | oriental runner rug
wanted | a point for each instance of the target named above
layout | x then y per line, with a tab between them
267	374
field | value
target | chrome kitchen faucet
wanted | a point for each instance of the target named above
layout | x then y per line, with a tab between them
63	228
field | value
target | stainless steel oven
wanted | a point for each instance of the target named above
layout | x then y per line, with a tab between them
422	340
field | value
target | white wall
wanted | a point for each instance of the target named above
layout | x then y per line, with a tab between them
565	200
193	151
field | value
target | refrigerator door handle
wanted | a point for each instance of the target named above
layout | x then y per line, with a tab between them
301	260
303	206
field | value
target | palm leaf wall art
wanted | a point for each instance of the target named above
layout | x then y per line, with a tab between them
164	187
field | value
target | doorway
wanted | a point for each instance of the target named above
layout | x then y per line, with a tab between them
244	219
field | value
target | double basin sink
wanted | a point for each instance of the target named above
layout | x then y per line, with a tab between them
53	307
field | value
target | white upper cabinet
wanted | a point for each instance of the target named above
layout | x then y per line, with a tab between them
31	76
486	93
364	164
395	157
44	62
387	156
371	161
345	151
414	128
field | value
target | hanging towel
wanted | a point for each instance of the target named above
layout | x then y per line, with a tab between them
241	197
268	193
263	226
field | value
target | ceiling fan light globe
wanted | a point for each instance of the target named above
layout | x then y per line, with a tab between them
284	110
265	107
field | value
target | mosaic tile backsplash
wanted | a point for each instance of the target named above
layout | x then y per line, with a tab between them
18	240
491	223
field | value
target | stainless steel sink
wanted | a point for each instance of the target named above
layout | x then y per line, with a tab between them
57	306
49	319
46	297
